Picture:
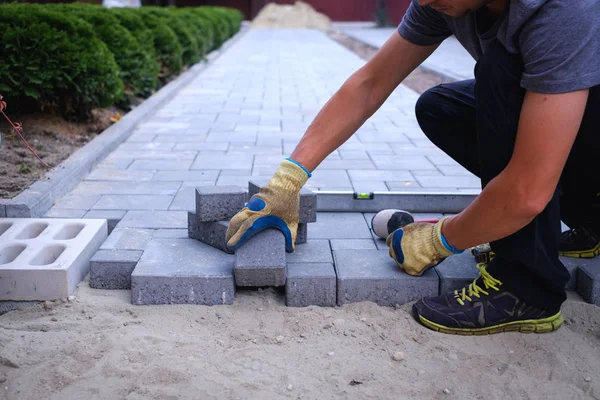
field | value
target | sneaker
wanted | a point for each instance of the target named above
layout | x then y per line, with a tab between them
484	308
579	243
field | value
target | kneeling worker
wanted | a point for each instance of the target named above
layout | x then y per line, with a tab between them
528	126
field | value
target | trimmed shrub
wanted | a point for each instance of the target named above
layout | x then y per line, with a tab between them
54	61
189	43
220	26
201	29
167	47
137	70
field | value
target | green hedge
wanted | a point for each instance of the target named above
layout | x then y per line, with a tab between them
73	58
55	62
137	70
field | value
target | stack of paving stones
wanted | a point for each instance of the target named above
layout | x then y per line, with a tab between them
342	262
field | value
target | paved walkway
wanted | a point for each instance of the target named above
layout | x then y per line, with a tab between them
243	114
450	59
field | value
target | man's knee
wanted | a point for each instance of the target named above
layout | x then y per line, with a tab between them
427	110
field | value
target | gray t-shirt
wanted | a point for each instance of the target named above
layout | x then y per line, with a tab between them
559	40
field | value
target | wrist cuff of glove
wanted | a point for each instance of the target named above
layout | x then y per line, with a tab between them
447	247
300	165
292	171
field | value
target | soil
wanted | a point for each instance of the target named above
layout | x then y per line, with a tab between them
419	80
53	138
100	346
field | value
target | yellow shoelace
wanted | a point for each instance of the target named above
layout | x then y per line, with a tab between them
474	290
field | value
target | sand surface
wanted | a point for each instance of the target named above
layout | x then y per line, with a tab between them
99	346
297	15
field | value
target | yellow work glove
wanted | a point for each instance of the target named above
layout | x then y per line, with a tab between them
276	205
419	246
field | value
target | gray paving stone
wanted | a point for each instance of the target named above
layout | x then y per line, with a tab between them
380	175
64	213
185	176
347	164
310	284
182	271
164	165
211	233
223	162
79	202
154	219
3	207
213	146
449	181
217	203
371	275
337	225
131	188
353	244
370	186
354	155
128	239
133	202
111	269
164	146
119	175
112	217
313	251
185	199
456	271
261	261
327	179
588	280
302	233
385	162
171	234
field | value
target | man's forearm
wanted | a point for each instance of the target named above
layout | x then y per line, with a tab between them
341	116
497	212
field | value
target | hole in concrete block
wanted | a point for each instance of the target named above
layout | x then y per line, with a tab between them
69	231
4	227
32	231
48	255
9	253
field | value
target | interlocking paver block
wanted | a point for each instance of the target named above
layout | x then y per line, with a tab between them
46	258
111	269
211	233
128	239
112	217
588	280
371	275
308	200
218	203
182	271
302	233
310	284
572	265
340	225
313	251
261	260
457	271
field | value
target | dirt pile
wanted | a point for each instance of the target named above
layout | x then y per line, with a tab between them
299	15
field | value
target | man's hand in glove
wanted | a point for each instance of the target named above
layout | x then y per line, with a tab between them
419	246
275	206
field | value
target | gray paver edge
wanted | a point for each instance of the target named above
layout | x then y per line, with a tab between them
33	202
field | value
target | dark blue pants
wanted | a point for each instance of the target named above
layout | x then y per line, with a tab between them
475	122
